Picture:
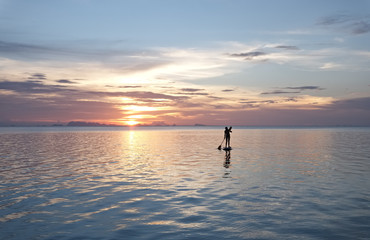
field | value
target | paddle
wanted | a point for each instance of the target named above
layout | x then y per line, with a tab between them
219	147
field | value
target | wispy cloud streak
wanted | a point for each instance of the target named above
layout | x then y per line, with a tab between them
351	24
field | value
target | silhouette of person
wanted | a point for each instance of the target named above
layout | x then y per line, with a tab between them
227	136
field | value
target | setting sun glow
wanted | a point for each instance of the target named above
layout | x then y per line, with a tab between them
310	71
131	122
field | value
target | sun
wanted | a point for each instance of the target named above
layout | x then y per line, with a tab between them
132	122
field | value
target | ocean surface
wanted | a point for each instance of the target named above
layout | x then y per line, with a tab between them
173	183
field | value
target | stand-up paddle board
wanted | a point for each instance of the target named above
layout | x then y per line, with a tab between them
227	148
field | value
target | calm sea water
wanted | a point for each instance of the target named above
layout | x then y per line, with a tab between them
172	183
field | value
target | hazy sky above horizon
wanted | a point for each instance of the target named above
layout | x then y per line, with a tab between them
227	62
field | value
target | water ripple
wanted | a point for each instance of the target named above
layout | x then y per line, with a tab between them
275	184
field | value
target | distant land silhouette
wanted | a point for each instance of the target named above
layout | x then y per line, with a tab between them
59	124
87	124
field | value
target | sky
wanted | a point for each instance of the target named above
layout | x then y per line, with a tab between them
166	62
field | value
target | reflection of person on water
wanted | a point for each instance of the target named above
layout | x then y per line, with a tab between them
227	159
227	136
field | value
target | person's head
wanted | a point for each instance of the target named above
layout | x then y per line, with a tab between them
226	128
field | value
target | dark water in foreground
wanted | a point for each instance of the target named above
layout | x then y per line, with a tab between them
172	183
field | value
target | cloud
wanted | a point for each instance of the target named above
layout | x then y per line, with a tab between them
142	67
279	92
307	59
215	98
360	27
139	95
48	102
25	51
30	101
65	81
292	99
225	107
143	79
286	47
18	108
299	117
255	103
33	90
248	55
300	89
191	89
194	93
334	19
306	88
37	76
354	103
30	87
74	52
330	65
354	112
11	47
351	24
130	86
